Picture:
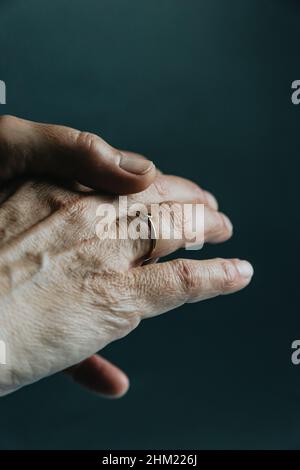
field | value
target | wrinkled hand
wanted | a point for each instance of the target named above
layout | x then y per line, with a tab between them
65	294
30	149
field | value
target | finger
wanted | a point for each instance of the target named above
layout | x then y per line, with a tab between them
100	376
217	226
170	187
42	149
176	225
176	228
165	286
211	200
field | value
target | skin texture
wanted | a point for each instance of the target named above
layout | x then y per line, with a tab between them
65	294
29	148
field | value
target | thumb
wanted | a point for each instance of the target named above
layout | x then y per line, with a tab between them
29	148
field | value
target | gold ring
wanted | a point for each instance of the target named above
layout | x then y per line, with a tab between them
153	238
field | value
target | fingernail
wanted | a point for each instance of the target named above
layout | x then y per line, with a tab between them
244	268
134	164
211	200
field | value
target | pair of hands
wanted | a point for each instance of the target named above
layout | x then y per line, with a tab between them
65	294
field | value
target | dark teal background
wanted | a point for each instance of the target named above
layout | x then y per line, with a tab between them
203	88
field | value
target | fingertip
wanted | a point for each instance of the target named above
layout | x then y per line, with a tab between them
138	172
220	276
100	376
244	268
108	169
135	164
129	183
244	271
218	226
228	225
211	200
120	388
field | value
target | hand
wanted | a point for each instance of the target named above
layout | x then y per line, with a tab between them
28	148
65	294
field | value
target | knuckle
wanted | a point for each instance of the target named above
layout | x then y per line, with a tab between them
170	215
160	186
74	207
56	197
77	210
230	276
86	141
112	292
91	144
186	274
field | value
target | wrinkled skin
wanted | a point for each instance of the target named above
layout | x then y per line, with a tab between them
65	294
